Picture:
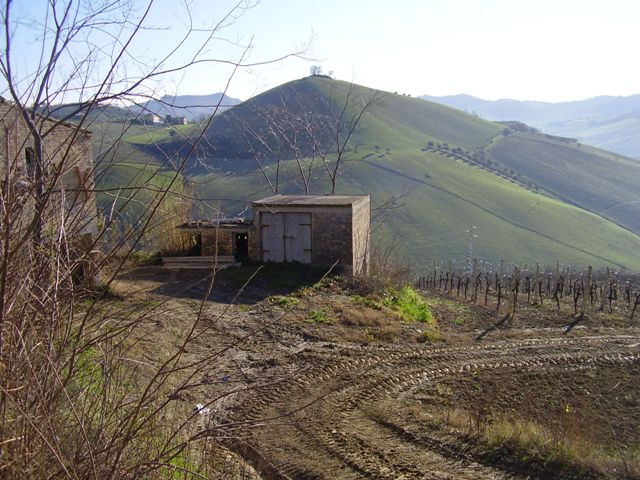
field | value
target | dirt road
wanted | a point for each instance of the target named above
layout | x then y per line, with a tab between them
340	411
307	400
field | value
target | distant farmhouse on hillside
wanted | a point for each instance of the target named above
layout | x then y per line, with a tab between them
311	229
174	120
146	119
153	119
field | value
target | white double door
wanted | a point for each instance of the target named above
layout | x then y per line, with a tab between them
286	237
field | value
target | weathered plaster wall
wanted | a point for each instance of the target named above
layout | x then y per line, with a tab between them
68	166
361	236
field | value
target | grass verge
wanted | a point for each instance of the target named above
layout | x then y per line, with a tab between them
526	445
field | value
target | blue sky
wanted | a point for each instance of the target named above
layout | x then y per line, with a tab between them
537	50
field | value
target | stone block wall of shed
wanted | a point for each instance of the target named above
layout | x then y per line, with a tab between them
331	235
254	241
217	242
361	237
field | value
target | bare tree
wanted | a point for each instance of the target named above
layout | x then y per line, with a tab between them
71	405
316	132
346	123
315	70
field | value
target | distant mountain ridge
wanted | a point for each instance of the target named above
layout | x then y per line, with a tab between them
192	107
608	122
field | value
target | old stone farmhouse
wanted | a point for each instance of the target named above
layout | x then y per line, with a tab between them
313	229
65	170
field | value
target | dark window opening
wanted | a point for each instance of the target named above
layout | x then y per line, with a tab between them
30	163
196	247
242	247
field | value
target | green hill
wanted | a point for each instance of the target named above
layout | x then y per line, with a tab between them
451	170
599	181
606	122
302	116
128	192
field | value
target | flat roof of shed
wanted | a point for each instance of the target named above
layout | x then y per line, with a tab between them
311	200
215	223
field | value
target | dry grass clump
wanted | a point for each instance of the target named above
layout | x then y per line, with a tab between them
530	443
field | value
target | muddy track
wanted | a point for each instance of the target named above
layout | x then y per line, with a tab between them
334	417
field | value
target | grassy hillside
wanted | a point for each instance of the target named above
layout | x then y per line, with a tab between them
409	146
304	113
111	143
446	197
612	123
163	135
596	180
127	192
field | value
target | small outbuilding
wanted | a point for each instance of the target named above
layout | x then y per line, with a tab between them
226	238
315	229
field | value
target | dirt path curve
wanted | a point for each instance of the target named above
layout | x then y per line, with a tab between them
333	415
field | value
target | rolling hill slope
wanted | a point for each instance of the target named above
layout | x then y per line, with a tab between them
248	130
452	170
598	181
606	122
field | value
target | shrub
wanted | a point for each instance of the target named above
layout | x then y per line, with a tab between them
319	316
409	304
284	301
366	301
430	334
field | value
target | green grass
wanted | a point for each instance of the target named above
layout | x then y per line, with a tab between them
285	302
409	304
319	316
598	181
88	374
129	189
160	135
430	334
397	116
129	193
366	302
110	144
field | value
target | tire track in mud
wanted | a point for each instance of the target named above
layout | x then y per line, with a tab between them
321	426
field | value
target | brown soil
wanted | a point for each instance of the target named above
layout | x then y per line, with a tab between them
348	391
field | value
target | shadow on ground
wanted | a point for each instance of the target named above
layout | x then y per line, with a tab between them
263	281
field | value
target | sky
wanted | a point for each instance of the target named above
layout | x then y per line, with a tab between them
543	50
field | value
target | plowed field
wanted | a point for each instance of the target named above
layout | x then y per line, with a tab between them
334	397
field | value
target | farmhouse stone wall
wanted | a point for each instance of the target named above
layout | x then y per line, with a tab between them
254	241
217	242
67	159
361	220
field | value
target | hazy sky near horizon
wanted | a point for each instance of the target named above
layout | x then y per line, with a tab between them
547	50
550	50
